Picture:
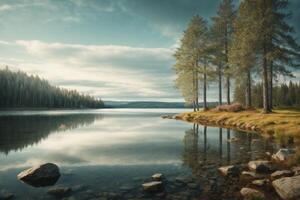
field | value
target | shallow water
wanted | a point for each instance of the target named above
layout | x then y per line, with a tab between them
110	153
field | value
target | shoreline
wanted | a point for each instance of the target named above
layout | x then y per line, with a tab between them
279	123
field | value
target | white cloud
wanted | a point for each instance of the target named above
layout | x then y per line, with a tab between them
107	71
5	7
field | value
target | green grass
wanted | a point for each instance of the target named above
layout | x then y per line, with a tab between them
282	122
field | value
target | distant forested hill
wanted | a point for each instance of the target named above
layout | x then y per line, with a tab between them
19	90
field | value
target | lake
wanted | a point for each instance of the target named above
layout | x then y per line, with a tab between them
109	153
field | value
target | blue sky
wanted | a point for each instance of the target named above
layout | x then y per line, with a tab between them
113	49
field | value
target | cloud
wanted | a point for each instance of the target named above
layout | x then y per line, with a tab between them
5	7
107	71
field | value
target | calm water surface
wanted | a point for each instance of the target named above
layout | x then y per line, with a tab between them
110	153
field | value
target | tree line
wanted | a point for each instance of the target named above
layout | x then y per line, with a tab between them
284	95
19	90
252	43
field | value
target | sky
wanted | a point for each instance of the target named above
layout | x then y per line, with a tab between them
112	49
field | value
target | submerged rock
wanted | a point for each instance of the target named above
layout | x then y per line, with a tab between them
260	166
283	154
250	194
229	170
154	186
282	173
167	117
41	175
288	187
59	191
5	195
157	177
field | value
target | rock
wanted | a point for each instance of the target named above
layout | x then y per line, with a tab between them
229	170
41	175
281	174
251	194
167	117
260	166
59	191
296	170
157	177
261	182
283	154
288	187
251	174
154	186
5	195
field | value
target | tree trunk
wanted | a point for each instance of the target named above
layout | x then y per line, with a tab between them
204	88
220	84
248	90
226	60
197	91
271	86
228	89
266	108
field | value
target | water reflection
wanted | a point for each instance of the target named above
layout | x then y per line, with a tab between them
206	145
20	131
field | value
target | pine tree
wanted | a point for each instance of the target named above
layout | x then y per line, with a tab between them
222	30
242	54
191	61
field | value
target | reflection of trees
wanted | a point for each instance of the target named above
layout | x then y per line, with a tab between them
191	152
18	132
213	146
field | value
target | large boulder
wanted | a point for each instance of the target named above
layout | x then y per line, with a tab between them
251	194
283	154
229	170
153	186
260	166
288	187
41	175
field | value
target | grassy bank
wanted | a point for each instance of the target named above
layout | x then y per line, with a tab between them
283	122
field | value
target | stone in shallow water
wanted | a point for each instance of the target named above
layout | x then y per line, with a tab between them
41	175
288	187
59	191
5	195
157	177
250	194
260	166
283	154
281	174
229	170
153	186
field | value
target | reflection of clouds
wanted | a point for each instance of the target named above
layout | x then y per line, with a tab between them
122	140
